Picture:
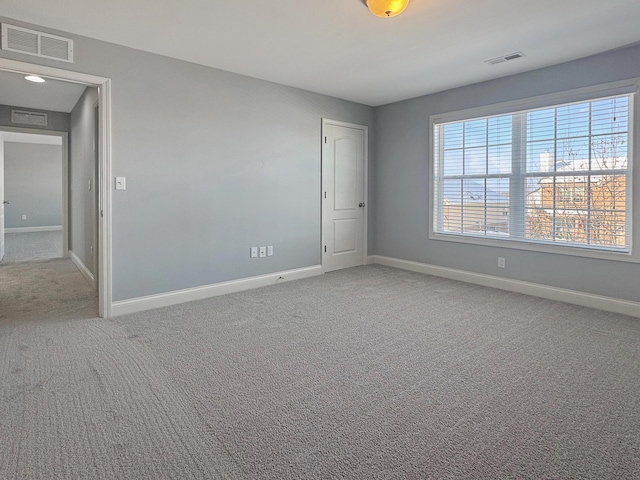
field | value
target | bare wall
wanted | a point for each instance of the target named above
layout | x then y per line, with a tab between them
33	184
82	180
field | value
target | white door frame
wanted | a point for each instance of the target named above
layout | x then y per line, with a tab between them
105	297
65	176
365	130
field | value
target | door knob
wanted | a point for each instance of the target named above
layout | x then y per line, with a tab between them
6	202
361	204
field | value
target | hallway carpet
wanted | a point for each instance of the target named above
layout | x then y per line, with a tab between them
48	289
32	246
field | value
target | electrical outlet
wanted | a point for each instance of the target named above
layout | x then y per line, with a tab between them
254	252
263	252
270	251
501	262
24	217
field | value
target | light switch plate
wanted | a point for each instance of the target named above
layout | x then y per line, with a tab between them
263	252
121	183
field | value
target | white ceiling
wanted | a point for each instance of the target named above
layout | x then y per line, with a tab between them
52	95
338	48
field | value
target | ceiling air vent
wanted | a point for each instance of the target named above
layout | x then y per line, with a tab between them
40	44
29	118
504	58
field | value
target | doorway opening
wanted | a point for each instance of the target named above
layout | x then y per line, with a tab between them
98	251
35	194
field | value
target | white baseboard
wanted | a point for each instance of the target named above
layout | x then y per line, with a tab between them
133	305
51	228
86	273
608	304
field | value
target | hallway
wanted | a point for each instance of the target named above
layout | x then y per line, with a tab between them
35	283
32	246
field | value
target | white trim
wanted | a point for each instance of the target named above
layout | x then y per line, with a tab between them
542	247
51	228
16	135
609	304
66	190
148	302
365	173
51	72
86	273
105	266
104	209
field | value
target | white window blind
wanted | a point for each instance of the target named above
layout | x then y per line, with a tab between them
556	175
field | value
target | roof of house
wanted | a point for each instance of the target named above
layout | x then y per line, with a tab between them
583	165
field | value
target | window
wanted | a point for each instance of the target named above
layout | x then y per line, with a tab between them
571	193
555	175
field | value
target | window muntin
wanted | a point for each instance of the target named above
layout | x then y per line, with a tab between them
558	175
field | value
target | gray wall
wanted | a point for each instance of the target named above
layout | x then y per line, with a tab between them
402	182
82	170
57	121
33	184
215	163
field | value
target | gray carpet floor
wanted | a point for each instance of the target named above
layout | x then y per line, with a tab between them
365	373
46	290
30	246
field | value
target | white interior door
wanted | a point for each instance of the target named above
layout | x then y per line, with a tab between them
2	199
343	180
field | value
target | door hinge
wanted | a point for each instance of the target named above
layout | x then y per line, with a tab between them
325	249
325	139
325	195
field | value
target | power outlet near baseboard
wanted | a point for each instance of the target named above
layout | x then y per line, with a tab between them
261	252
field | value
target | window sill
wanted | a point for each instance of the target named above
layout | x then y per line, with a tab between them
588	252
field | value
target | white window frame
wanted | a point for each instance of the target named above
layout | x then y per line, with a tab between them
631	86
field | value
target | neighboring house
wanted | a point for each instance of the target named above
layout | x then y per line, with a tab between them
578	204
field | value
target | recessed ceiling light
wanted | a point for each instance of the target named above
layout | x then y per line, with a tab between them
34	78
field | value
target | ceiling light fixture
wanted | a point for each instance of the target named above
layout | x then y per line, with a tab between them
34	78
387	8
